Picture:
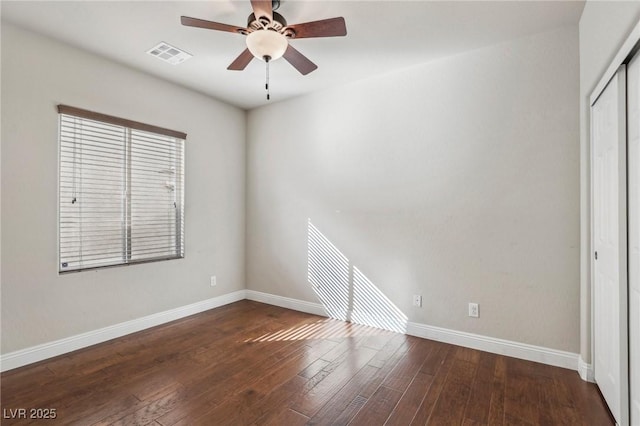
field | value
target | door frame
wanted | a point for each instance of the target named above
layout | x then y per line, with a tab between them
628	49
623	317
633	170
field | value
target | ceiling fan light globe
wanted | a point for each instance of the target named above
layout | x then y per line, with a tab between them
269	43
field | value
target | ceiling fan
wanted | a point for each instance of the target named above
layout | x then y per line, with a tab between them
268	35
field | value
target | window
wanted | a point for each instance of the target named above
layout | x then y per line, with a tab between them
121	191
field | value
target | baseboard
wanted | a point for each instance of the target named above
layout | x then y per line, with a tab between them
489	344
41	352
475	341
497	346
287	302
586	371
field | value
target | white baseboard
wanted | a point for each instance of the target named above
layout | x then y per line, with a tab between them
586	371
475	341
489	344
497	346
41	352
287	302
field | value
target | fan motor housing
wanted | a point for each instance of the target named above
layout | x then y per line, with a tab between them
277	24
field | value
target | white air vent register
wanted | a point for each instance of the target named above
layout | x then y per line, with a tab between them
169	53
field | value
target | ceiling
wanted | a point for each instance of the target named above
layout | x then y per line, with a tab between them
382	36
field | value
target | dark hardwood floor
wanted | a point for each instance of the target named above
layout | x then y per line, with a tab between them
253	364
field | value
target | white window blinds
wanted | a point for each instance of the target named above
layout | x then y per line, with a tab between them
121	191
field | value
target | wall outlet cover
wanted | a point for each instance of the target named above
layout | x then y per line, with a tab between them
474	310
417	300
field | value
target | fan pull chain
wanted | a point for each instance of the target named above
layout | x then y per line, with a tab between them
266	86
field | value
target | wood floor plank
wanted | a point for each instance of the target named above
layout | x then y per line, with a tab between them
406	369
286	417
408	405
241	407
149	411
229	379
435	359
451	405
340	372
477	410
520	406
379	339
255	396
314	368
550	405
276	407
352	409
395	347
342	403
279	397
345	345
129	375
118	406
386	360
586	400
199	393
377	408
264	411
445	357
251	363
496	404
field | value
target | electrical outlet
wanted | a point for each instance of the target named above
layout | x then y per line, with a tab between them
213	281
417	300
474	310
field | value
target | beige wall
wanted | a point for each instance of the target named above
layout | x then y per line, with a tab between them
604	26
38	305
457	180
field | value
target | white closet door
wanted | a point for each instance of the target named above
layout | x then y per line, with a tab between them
608	133
633	126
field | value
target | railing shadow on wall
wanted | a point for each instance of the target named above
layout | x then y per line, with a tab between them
344	290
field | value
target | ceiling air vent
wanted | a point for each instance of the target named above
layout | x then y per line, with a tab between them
168	53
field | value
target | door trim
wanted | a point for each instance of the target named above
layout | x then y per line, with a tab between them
620	74
630	46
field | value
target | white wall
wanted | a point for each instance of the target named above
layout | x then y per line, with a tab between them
38	305
457	180
604	26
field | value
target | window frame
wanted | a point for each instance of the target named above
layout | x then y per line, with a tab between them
128	125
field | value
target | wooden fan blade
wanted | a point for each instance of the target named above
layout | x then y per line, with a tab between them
333	27
299	61
210	25
241	61
262	8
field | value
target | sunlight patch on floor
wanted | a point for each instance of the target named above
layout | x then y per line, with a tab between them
321	329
